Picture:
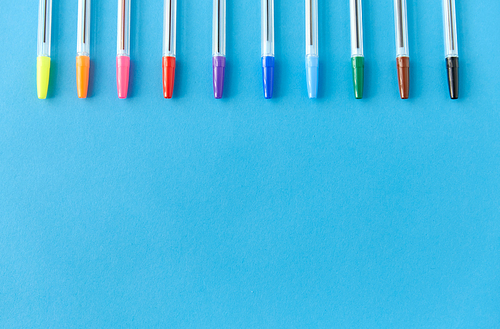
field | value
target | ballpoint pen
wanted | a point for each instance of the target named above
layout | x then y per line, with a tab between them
312	57
219	46
123	48
267	38
83	48
357	56
43	48
169	46
451	46
402	53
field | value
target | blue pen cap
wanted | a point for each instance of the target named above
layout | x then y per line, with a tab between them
268	76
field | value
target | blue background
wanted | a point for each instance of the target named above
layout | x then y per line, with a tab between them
247	213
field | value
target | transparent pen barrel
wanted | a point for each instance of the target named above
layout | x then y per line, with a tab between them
123	35
219	28
83	29
401	23
169	27
312	27
44	27
450	28
267	30
356	28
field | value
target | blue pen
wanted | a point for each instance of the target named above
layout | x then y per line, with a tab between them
312	58
268	47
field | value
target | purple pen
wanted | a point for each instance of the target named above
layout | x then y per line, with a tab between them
219	46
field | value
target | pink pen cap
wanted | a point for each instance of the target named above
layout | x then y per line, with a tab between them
122	75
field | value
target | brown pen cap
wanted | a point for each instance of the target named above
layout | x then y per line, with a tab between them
404	76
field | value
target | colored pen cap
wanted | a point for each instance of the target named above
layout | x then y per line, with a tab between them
358	75
218	64
452	70
42	76
404	76
122	75
312	69
82	75
268	76
168	76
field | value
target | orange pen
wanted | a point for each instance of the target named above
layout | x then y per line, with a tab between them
83	48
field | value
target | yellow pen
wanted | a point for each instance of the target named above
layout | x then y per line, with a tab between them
43	48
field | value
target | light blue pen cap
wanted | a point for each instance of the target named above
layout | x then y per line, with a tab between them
312	69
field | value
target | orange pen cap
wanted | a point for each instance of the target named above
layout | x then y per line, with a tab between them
82	75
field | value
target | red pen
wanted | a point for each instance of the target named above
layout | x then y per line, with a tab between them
169	36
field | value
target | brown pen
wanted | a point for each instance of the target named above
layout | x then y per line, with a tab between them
402	53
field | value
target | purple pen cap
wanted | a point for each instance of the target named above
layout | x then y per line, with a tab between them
219	65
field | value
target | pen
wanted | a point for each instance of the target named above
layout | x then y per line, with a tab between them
219	47
357	56
169	46
267	38
402	54
83	48
43	48
123	48
312	57
451	46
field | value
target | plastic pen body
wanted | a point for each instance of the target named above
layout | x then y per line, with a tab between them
402	52
267	42
123	48
83	48
169	46
43	47
451	46
219	46
312	55
357	55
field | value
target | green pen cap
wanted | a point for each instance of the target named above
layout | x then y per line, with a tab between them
358	75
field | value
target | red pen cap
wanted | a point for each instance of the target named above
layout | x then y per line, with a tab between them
168	76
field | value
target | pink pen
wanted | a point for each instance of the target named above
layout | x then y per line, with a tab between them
123	48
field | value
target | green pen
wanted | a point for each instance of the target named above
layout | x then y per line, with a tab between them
357	57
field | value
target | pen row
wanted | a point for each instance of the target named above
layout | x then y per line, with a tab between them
219	47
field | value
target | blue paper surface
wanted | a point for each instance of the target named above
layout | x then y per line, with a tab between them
246	212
